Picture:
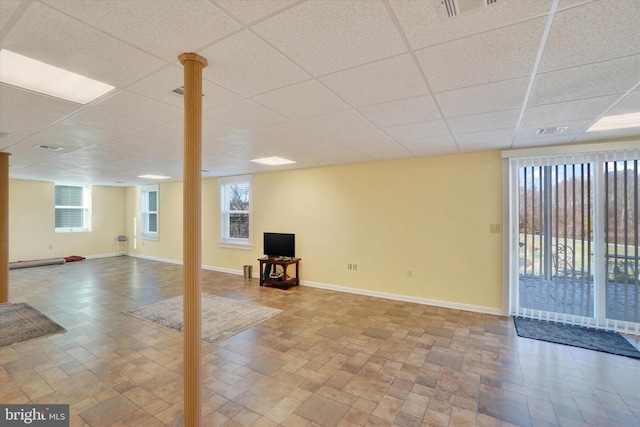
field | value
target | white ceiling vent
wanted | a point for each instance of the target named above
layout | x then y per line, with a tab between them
180	91
551	131
452	8
49	147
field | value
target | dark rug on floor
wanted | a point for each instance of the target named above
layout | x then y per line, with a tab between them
576	336
19	322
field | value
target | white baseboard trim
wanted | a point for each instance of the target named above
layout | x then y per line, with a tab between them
407	298
102	256
153	258
376	294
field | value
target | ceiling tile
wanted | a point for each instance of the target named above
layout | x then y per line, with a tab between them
7	7
140	108
31	102
505	95
485	146
105	120
314	33
337	123
630	104
614	76
431	146
404	111
418	130
75	130
302	100
505	53
145	23
49	36
288	132
245	64
378	82
160	86
20	124
249	11
485	137
585	34
424	24
245	115
484	122
567	111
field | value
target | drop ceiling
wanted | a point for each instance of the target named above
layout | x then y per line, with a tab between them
320	82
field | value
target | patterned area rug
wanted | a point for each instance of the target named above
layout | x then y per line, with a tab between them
19	322
221	317
576	336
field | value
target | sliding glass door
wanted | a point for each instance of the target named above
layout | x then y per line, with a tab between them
574	251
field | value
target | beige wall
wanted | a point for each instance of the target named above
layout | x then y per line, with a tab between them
31	223
430	215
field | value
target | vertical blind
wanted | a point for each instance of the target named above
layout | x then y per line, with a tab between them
574	251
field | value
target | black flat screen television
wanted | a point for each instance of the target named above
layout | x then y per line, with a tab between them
280	245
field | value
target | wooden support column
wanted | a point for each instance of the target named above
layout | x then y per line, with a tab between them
4	228
193	65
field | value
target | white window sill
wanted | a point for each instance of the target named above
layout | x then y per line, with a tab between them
235	245
72	230
149	237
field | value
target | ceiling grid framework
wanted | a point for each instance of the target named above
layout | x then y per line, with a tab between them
318	82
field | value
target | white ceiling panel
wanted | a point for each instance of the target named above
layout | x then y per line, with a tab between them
592	32
245	64
245	115
327	36
378	82
501	54
49	36
401	112
140	108
302	100
160	86
321	81
567	111
484	122
418	130
337	123
249	11
614	76
105	120
425	25
505	95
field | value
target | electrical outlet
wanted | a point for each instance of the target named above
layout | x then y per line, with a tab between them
349	266
494	228
50	246
409	274
355	266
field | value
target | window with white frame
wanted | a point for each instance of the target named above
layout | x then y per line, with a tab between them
72	208
149	211
235	211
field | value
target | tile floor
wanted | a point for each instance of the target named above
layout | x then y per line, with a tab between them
330	359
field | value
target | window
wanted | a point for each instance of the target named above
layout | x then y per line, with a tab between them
149	210
73	208
574	244
235	211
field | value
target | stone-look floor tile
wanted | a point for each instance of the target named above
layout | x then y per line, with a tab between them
322	411
329	358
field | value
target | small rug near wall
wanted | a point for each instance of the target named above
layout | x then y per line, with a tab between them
19	322
221	317
576	336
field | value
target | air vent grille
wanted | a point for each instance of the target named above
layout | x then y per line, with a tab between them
551	131
179	90
49	147
453	8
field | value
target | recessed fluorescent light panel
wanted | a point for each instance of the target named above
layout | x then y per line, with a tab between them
273	161
616	122
154	176
27	73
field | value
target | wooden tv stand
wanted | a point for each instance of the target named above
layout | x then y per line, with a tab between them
285	281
